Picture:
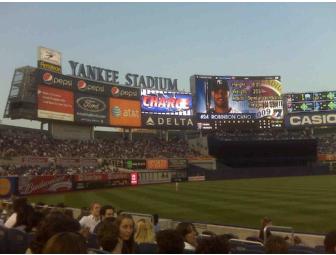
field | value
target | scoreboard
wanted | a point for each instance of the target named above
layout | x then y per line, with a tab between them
310	102
225	102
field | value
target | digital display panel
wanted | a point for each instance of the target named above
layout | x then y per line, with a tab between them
174	103
236	99
54	103
310	102
91	109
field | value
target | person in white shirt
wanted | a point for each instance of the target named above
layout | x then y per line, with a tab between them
18	204
93	219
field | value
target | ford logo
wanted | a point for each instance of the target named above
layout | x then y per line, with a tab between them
91	104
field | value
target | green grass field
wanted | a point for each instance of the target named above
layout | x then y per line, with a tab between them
306	203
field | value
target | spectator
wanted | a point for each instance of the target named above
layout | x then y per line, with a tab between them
276	245
55	222
107	235
330	242
188	232
156	222
125	227
106	211
19	206
265	222
145	237
169	241
65	243
213	245
91	221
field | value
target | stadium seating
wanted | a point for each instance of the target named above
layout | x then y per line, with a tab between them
240	246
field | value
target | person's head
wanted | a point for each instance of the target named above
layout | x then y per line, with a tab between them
19	203
169	241
156	218
65	242
144	232
213	245
23	213
52	224
107	234
95	209
220	94
330	242
106	211
276	244
125	226
188	231
266	221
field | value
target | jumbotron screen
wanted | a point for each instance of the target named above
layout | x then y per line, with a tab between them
165	102
224	100
310	102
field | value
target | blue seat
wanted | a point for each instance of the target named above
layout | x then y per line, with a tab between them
239	246
301	250
320	249
17	241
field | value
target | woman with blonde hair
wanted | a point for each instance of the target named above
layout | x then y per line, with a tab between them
145	237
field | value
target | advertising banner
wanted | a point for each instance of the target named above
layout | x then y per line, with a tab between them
196	178
310	102
124	113
35	161
28	185
115	162
135	163
168	121
53	79
124	92
67	161
326	157
91	87
157	164
297	120
155	101
99	180
49	55
48	66
7	186
177	164
91	109
88	162
134	178
55	104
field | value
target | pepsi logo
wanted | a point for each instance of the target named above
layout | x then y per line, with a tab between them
81	84
115	90
47	78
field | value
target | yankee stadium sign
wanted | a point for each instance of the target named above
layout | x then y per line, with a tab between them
112	76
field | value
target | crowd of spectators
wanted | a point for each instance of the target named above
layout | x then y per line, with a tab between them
24	170
103	229
33	143
327	144
270	134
